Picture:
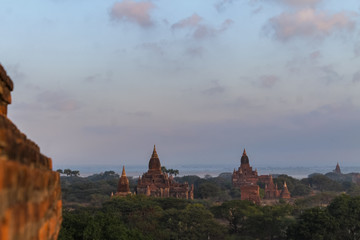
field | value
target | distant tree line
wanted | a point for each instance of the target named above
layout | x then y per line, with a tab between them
97	188
69	172
170	171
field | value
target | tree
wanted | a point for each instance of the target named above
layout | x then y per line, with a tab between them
67	172
346	211
75	173
208	189
273	222
314	223
60	171
170	171
236	212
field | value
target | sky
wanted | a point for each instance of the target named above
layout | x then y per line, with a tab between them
99	82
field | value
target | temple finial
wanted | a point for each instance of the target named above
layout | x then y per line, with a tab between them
154	154
123	171
244	153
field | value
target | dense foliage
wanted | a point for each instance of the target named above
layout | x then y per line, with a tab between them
339	220
140	217
318	211
90	191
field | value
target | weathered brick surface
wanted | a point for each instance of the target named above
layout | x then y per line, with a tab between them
6	86
30	193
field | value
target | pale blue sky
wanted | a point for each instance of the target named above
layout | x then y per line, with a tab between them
100	82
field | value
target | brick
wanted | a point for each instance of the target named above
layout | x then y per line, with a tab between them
30	193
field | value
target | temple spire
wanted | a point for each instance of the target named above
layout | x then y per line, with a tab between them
154	154
123	171
244	158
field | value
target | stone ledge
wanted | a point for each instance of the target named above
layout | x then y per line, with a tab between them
5	78
15	146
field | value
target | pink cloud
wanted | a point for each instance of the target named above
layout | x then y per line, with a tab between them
59	101
199	30
191	21
132	11
309	23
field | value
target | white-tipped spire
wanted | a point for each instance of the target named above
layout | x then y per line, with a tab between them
123	171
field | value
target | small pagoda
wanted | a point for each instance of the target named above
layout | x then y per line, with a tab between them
123	188
337	169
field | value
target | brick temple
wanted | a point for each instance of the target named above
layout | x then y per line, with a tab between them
158	184
246	179
337	169
123	188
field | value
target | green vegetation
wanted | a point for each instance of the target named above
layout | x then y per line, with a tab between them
90	191
140	217
318	211
170	171
69	172
340	220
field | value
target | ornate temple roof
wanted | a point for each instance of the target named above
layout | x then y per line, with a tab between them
154	163
244	158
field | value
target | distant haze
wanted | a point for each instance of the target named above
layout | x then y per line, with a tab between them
100	82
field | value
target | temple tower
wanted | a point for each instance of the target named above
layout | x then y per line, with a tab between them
247	181
154	163
158	184
337	169
244	175
285	194
123	188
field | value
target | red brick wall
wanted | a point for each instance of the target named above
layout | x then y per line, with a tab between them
30	193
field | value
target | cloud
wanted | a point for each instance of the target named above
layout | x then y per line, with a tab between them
195	51
99	78
216	88
192	21
92	78
299	2
58	101
304	64
268	81
309	23
257	10
154	47
132	11
329	74
200	30
356	77
221	4
357	49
